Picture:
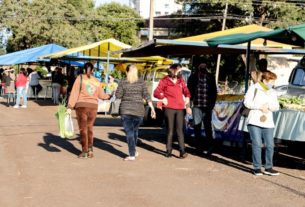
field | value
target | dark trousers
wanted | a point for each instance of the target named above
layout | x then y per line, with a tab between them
131	126
85	118
175	122
203	115
36	89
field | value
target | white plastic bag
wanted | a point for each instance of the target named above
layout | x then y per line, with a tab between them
69	129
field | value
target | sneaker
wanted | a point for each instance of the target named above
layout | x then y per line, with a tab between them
90	152
168	154
16	107
271	172
183	155
24	106
83	155
257	172
129	158
137	154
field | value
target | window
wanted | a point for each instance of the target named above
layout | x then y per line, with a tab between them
166	13
299	77
166	6
158	13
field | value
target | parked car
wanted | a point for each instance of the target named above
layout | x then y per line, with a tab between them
152	78
281	90
296	85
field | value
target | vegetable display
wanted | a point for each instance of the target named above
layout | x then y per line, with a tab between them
293	103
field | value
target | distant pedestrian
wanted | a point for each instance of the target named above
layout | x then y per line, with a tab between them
202	86
57	82
84	99
9	81
175	96
132	92
261	99
21	83
34	82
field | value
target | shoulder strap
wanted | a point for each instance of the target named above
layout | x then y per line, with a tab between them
81	82
255	91
80	85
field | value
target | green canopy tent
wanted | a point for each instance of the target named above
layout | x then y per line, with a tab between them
294	35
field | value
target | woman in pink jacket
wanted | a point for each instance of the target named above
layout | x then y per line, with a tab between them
21	88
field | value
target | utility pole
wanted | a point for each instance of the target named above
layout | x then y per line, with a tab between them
151	20
223	28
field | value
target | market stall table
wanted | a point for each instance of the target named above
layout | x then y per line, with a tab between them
289	125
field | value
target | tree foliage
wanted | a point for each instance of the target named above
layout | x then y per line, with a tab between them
269	13
69	23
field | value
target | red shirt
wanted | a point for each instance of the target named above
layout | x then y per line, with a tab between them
21	80
174	92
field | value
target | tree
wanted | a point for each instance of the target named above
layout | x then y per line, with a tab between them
69	23
279	13
119	22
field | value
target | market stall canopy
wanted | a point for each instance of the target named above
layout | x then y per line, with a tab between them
114	60
294	35
237	30
188	48
29	55
97	49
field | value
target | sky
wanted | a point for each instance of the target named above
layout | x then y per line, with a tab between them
98	2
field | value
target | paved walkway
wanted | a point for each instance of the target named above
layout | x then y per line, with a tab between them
40	169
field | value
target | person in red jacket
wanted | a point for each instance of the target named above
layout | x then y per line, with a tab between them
21	82
175	97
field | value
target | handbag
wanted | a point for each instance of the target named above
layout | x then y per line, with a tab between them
244	111
115	107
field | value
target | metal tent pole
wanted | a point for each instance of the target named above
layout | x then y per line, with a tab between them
107	71
247	66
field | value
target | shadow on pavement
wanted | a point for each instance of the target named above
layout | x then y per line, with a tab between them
108	146
42	102
51	139
140	144
54	143
102	120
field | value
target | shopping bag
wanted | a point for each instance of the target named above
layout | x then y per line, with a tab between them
69	129
60	115
115	107
65	123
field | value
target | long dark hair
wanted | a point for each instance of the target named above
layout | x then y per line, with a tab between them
172	69
23	71
88	69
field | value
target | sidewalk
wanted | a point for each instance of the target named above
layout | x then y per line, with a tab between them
40	169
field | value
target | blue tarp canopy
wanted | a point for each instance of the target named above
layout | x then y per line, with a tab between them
29	55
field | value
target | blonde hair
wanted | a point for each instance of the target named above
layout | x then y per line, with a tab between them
132	73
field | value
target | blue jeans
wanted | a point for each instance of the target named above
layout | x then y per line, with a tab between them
131	126
257	134
21	91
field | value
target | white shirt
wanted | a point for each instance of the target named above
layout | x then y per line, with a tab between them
262	97
34	79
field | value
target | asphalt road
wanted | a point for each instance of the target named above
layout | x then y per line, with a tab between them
38	168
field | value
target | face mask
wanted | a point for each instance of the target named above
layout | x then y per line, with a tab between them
270	85
173	75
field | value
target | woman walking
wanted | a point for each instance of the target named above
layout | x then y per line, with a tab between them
21	83
261	99
175	97
132	91
84	98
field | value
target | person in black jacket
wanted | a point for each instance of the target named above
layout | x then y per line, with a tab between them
57	82
202	86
